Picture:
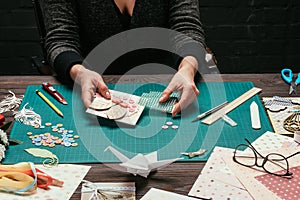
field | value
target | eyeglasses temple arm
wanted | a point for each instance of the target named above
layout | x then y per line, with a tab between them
253	148
293	155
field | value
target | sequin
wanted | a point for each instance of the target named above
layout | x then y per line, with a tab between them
164	127
74	144
175	127
169	123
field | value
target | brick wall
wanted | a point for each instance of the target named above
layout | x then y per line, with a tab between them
246	35
253	35
18	37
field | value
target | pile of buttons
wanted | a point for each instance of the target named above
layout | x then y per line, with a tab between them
65	137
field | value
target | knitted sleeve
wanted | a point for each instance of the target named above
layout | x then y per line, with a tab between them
62	38
184	17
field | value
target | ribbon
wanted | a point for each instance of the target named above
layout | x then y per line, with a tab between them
10	102
28	116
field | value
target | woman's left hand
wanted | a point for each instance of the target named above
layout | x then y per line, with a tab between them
183	82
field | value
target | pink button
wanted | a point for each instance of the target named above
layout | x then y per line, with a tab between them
116	100
131	101
174	127
169	123
164	127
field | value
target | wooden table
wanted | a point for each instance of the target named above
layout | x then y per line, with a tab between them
178	177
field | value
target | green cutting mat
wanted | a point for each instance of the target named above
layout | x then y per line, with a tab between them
147	136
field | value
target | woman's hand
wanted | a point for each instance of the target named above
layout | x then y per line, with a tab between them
90	81
183	82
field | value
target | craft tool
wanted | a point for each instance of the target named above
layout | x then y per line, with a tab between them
2	119
230	106
288	76
254	114
40	94
51	90
210	111
5	125
292	123
229	121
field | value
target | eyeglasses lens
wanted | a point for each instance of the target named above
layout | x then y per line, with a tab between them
276	164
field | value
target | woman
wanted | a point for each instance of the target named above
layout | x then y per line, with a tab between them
75	27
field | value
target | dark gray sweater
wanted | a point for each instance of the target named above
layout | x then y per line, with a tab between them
75	27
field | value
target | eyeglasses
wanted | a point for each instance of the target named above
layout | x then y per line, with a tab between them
272	163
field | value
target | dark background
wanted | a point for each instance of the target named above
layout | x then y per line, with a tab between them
248	36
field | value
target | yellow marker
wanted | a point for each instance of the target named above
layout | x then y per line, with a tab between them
49	103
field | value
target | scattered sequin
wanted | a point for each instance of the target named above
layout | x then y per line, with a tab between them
66	137
48	124
169	123
59	125
174	127
164	127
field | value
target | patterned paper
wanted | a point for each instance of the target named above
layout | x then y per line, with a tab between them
247	175
216	181
277	118
72	175
288	189
269	141
132	112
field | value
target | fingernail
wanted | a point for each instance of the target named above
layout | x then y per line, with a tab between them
107	94
162	97
173	114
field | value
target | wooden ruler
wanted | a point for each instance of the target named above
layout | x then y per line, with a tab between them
230	106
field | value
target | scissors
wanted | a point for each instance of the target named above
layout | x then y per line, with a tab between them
288	76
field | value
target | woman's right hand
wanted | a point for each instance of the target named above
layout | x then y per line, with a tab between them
90	82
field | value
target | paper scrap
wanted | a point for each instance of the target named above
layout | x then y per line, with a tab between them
158	194
216	181
285	188
246	175
128	113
